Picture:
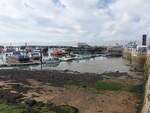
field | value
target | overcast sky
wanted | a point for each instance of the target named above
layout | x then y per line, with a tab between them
72	21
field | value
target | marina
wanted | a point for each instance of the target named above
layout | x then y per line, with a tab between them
85	65
75	59
70	56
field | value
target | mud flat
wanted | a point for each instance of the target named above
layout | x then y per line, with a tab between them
112	92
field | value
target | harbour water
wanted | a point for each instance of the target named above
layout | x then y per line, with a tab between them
93	65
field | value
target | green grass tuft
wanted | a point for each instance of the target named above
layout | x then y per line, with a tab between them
44	109
101	85
68	109
10	109
137	89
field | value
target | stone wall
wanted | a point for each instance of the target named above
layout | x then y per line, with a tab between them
136	59
146	104
127	54
141	60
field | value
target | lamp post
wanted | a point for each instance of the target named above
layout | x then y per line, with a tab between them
41	57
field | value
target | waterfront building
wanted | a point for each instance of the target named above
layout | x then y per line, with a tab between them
1	49
83	45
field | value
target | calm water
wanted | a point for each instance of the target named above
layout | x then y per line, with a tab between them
94	65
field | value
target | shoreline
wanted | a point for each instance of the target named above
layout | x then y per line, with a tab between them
88	92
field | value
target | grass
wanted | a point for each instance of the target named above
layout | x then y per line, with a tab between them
41	109
10	109
68	109
100	85
71	82
113	86
137	89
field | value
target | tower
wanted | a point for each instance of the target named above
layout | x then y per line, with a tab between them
144	39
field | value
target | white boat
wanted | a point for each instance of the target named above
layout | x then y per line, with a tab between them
36	56
50	61
78	57
67	58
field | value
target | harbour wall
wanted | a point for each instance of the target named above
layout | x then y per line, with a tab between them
140	61
146	104
136	59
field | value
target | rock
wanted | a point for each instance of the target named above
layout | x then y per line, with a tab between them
65	109
8	97
31	111
66	70
30	102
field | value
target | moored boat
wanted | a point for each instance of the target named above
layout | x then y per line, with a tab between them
18	57
50	61
67	58
57	52
36	56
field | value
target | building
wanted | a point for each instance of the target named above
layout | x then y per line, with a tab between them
1	49
83	45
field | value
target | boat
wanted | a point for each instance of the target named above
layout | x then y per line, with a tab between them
51	65
36	56
68	58
78	57
50	61
57	52
18	57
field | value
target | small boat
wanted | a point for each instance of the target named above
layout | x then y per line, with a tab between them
67	58
57	52
18	57
78	57
50	61
36	56
51	64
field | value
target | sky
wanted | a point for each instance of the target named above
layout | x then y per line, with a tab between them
72	21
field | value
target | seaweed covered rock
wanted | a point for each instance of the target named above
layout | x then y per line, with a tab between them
8	97
30	102
31	111
65	109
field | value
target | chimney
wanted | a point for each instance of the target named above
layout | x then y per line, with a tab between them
144	40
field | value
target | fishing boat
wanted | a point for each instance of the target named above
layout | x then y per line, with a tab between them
18	57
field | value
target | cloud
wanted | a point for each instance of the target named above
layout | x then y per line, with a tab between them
60	21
